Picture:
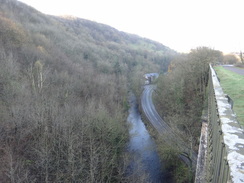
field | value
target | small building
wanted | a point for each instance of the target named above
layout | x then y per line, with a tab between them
150	77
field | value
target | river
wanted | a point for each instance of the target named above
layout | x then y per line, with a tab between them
143	148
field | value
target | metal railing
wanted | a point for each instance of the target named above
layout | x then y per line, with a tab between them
225	151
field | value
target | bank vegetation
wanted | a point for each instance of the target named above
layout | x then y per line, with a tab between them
180	98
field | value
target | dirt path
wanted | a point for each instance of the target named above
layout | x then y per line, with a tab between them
234	69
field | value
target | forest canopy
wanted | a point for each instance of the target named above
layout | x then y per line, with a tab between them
64	83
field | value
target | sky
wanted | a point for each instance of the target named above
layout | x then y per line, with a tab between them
179	24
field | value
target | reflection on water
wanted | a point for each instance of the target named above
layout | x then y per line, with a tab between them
142	146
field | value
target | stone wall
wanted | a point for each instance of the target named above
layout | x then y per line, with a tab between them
224	160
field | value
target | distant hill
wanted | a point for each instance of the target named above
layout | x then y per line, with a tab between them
72	34
64	83
104	33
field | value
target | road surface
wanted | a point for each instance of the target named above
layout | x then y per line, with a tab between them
150	111
161	126
234	69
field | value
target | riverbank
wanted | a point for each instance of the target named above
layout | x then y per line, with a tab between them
141	145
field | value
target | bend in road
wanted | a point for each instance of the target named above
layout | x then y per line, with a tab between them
159	124
150	111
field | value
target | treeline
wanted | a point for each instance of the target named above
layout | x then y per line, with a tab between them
181	97
63	96
49	132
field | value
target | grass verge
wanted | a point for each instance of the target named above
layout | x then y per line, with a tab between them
233	85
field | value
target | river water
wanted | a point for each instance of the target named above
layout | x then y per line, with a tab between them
146	160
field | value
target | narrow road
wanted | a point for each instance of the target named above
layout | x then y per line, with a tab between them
162	127
234	69
152	115
150	111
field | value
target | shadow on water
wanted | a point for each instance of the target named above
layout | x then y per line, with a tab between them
142	147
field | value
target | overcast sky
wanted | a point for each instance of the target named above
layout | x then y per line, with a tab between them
179	24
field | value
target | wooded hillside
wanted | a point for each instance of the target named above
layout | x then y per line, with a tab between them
63	95
182	98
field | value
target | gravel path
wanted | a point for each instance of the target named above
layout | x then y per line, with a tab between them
234	69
